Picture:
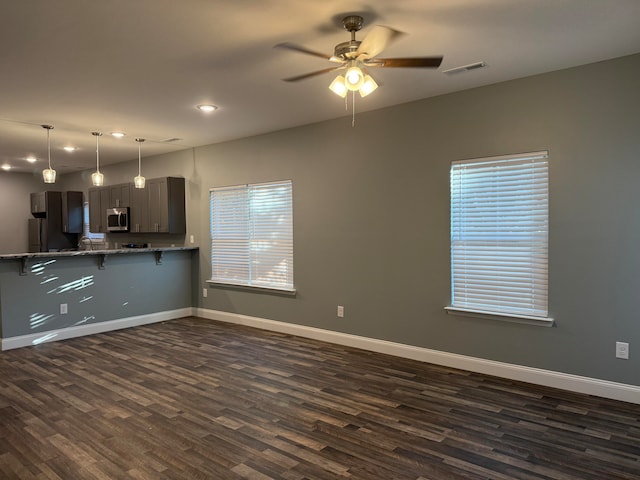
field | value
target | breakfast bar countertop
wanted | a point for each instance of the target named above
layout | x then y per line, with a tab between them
75	253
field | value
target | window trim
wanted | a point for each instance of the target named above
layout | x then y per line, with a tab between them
255	288
511	317
545	321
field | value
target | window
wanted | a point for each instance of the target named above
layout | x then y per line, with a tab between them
92	238
98	237
499	235
252	235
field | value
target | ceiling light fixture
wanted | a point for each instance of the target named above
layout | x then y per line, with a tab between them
97	178
69	148
206	108
31	159
118	134
6	167
354	80
49	174
139	180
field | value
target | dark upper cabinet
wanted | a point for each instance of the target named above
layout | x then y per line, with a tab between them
72	212
167	205
39	204
139	209
119	195
157	208
99	201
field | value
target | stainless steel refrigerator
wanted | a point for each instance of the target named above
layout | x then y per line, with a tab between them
53	229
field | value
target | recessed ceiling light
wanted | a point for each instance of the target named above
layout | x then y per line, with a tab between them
118	134
6	166
206	108
32	159
69	148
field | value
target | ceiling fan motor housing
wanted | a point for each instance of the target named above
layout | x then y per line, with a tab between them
353	23
347	50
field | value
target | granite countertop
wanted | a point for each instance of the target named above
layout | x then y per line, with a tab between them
75	253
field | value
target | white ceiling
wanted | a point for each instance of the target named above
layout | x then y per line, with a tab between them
141	66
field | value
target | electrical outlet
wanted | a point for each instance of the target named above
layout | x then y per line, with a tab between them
63	309
204	292
340	311
622	350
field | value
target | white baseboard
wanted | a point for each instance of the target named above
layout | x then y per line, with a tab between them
91	328
549	378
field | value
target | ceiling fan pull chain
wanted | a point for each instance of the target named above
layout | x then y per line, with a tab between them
353	114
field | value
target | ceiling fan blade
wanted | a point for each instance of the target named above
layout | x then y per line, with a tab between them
378	38
419	62
311	74
301	49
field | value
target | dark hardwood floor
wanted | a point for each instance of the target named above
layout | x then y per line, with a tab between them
197	399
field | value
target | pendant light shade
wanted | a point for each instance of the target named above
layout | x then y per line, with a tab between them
97	178
49	174
139	181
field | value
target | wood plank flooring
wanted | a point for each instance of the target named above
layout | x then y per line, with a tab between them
197	399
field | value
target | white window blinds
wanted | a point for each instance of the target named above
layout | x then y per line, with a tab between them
499	234
252	235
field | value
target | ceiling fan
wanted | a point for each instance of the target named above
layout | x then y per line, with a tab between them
355	56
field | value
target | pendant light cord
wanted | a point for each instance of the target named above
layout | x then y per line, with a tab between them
97	154
49	145
353	110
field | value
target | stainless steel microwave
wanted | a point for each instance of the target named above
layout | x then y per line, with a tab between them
118	219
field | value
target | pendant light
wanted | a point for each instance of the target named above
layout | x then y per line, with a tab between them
139	180
97	178
49	174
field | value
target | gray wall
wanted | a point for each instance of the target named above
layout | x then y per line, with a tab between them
15	209
371	213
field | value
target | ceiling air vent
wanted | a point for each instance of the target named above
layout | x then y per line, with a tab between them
465	68
171	140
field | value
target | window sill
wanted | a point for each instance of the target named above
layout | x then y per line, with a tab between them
522	319
253	288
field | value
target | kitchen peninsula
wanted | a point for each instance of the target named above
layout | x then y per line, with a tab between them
74	293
